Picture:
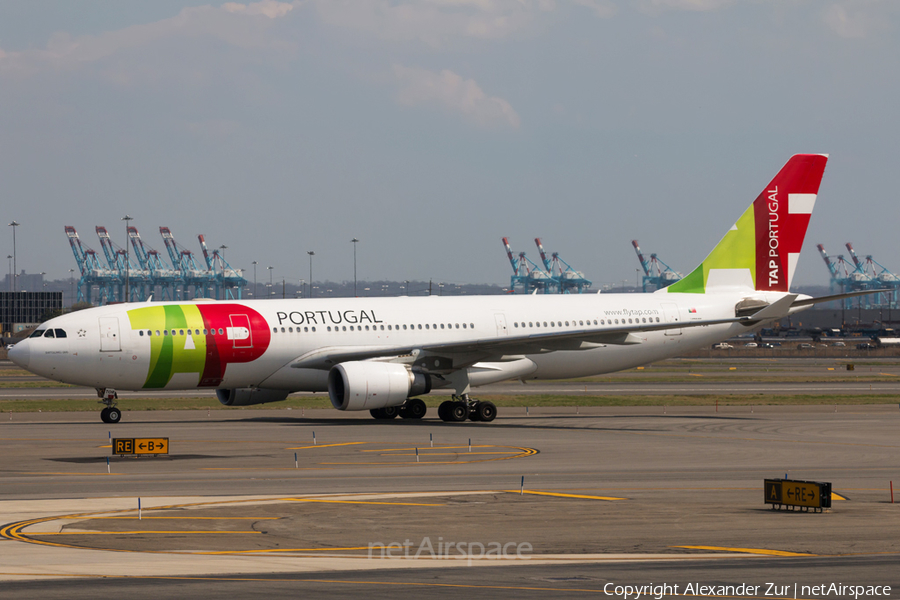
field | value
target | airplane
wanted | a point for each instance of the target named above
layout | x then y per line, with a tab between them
381	354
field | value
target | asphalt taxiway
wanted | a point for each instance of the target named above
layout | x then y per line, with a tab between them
256	501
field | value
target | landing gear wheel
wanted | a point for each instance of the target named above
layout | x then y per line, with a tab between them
458	412
388	412
444	408
110	414
474	414
413	409
487	411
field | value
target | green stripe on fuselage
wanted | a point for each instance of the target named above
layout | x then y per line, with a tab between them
170	354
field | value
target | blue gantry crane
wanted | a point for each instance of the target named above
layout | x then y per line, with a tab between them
92	272
527	277
566	280
226	279
656	273
200	281
166	282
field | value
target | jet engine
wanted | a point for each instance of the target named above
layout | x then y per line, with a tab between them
371	385
250	396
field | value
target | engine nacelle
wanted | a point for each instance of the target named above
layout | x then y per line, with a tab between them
371	385
250	396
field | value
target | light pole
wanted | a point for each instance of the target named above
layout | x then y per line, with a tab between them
9	282
407	286
255	291
15	224
223	247
355	241
126	218
302	283
271	291
311	254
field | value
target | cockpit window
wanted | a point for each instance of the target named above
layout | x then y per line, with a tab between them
37	333
49	333
60	333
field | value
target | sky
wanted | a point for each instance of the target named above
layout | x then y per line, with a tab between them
430	129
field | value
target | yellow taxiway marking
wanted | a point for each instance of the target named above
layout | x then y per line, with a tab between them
695	374
134	532
363	502
425	452
558	495
273	550
326	445
197	518
747	550
423	448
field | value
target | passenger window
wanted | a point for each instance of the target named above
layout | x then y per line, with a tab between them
442	325
222	331
329	328
142	333
595	321
157	332
516	324
567	323
471	325
426	325
351	328
344	328
314	329
464	325
420	326
165	332
290	329
274	330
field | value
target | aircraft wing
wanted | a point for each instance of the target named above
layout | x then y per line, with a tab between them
465	353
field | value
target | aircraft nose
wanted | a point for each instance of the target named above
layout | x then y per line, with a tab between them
20	354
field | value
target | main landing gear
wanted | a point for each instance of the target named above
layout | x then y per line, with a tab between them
110	414
463	407
413	408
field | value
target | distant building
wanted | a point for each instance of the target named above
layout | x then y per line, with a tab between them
21	310
25	282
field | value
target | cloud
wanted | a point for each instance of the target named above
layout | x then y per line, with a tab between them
266	8
431	21
602	8
235	24
455	94
656	6
863	19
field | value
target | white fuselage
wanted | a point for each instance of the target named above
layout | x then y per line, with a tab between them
91	354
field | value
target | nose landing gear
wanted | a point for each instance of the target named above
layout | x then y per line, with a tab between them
110	414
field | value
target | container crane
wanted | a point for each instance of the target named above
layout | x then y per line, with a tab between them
656	273
183	261
164	279
565	278
92	272
875	275
225	277
526	276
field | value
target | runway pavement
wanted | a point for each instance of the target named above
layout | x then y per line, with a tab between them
611	496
